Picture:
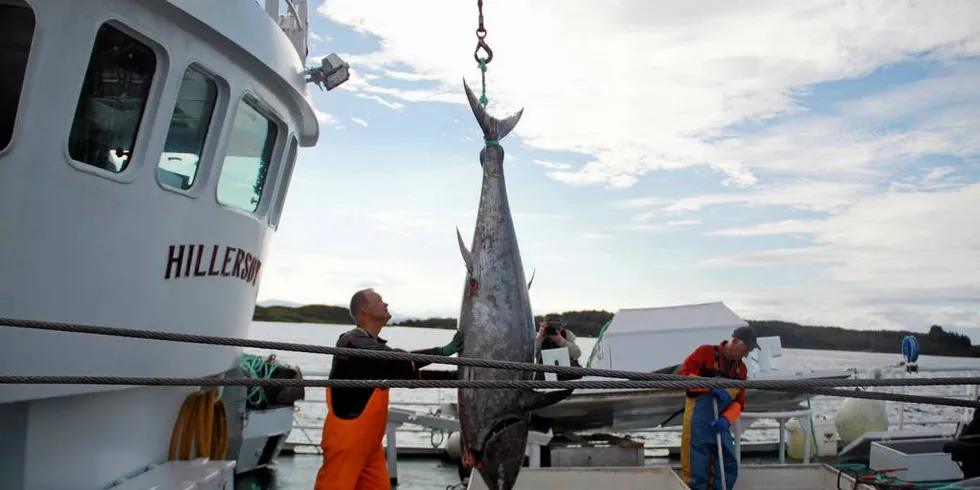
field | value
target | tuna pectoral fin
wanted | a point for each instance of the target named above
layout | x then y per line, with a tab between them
532	279
535	400
467	255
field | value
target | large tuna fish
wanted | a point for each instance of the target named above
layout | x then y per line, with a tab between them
497	323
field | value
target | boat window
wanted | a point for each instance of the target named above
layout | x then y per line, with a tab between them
189	124
246	165
287	176
17	26
113	99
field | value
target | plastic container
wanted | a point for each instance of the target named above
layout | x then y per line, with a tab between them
824	442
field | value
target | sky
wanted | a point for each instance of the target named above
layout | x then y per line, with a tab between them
809	161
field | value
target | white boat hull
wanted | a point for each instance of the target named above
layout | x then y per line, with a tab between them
627	410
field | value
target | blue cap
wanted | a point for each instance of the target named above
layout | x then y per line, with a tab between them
747	335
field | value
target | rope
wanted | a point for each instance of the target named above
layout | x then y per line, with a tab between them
689	382
482	62
674	381
483	81
655	380
203	424
883	480
259	368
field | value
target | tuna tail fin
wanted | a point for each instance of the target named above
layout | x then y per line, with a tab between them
532	400
493	129
532	279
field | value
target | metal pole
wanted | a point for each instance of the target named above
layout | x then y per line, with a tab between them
721	460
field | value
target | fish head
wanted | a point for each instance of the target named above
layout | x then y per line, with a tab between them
502	456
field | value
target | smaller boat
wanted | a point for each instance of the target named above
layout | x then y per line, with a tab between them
657	340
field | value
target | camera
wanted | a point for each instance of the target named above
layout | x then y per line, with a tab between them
551	330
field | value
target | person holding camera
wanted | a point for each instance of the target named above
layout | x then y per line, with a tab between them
552	334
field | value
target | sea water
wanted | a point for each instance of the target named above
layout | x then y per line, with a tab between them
312	411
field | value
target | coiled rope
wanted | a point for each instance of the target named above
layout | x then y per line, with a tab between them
202	424
637	380
260	368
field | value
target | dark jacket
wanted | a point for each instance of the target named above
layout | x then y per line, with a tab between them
348	403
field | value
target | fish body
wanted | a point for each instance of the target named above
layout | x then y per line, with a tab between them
497	323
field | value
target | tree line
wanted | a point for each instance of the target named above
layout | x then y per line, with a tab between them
588	323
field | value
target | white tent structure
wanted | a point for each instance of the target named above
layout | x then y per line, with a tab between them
649	339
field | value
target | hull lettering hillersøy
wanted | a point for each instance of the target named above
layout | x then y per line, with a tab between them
198	261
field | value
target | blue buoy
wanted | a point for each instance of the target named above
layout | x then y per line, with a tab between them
910	348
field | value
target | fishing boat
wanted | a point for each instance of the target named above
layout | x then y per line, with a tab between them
175	127
146	151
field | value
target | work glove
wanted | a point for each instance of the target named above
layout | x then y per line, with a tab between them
724	399
454	346
720	425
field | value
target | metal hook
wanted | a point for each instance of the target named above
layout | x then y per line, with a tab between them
486	48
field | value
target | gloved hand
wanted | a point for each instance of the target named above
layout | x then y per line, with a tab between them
720	425
454	346
724	399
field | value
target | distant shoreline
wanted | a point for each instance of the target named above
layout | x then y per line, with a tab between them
588	323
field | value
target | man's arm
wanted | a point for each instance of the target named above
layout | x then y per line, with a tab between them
574	351
734	410
694	361
392	369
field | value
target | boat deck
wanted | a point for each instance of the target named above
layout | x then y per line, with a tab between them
298	472
751	477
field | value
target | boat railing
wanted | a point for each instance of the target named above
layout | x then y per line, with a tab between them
293	20
306	433
904	370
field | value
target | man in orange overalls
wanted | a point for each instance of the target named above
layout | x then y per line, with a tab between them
699	446
353	457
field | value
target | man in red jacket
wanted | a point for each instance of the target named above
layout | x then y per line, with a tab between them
699	446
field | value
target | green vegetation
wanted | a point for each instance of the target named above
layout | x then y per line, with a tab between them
335	315
587	323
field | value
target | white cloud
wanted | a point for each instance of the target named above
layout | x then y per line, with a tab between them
359	121
312	278
553	165
787	227
404	222
391	105
862	183
802	194
588	89
920	249
325	118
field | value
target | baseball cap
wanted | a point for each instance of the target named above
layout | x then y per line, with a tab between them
747	335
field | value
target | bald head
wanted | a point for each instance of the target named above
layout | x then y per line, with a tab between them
358	301
368	310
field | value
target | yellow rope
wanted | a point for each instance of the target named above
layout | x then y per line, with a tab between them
203	424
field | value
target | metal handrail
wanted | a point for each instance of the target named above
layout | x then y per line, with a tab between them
891	370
